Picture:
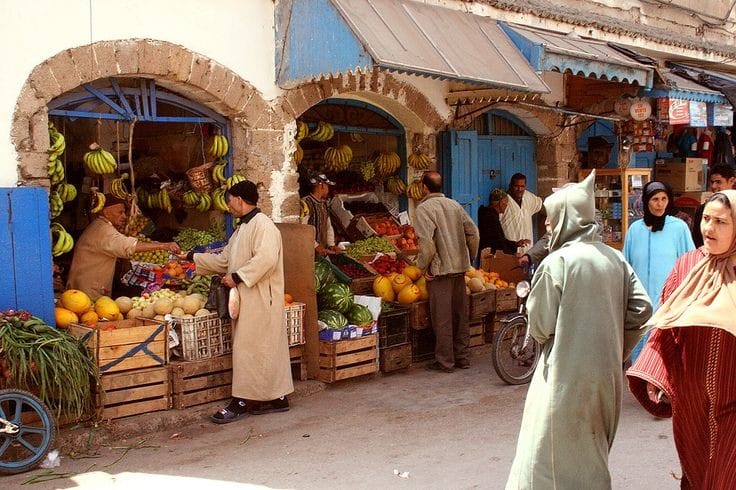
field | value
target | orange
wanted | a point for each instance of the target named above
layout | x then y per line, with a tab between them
288	299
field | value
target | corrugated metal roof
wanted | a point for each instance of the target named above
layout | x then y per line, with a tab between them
417	38
556	51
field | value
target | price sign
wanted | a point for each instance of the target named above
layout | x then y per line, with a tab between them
640	110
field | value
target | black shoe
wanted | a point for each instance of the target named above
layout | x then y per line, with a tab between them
262	408
235	410
464	364
436	366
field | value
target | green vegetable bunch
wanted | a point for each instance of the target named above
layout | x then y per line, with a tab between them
48	362
369	246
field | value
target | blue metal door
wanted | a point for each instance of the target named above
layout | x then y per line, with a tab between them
26	279
459	151
500	157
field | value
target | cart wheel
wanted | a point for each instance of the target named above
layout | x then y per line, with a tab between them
24	447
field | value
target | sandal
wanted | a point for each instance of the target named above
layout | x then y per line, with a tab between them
225	416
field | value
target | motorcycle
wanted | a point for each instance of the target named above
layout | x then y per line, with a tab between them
26	431
514	352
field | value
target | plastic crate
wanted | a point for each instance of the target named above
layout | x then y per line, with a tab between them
294	321
203	337
393	326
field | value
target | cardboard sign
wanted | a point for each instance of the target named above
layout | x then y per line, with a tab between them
698	114
678	111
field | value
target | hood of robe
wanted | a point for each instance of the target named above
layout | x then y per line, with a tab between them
571	214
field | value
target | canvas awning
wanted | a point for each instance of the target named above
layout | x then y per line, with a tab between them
564	53
328	37
724	83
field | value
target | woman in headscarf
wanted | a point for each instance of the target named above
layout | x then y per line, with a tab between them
654	243
687	370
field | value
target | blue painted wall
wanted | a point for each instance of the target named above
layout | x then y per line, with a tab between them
26	279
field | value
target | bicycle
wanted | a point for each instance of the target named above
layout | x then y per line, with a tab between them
27	431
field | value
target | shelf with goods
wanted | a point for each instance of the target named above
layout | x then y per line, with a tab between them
618	199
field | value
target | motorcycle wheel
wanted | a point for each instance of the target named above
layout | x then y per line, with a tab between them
26	448
513	362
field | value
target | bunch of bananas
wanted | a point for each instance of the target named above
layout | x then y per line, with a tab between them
322	132
190	198
67	192
302	130
419	161
201	201
396	185
356	138
205	202
97	201
198	284
337	158
298	154
415	190
158	199
367	170
56	204
56	148
118	188
231	181
219	146
218	199
63	241
387	163
100	161
218	171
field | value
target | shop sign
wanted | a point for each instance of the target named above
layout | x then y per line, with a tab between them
663	109
720	115
698	114
640	109
678	111
622	106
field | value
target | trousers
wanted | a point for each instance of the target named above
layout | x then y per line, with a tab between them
448	306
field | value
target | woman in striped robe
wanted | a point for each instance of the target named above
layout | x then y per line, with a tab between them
687	369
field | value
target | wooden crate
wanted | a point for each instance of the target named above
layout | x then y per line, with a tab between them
477	333
481	303
506	300
133	392
126	344
362	285
393	326
298	362
419	315
345	359
492	324
395	357
422	344
203	381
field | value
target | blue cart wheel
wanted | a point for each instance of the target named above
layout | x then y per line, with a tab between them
26	431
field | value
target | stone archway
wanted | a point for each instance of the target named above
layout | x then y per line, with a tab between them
256	146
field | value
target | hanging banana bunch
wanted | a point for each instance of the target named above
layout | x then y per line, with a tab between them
396	185
190	198
56	204
298	154
164	200
419	161
62	240
97	200
231	181
67	192
322	132
57	145
118	187
99	161
219	146
337	158
218	199
302	130
387	163
218	171
415	190
205	202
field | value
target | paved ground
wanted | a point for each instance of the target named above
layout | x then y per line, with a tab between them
436	430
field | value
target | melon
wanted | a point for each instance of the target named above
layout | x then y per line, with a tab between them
179	302
422	285
336	297
64	317
177	311
412	272
333	319
106	308
202	312
90	318
134	313
476	284
191	304
383	289
323	274
163	306
408	295
125	304
359	315
399	282
76	301
148	311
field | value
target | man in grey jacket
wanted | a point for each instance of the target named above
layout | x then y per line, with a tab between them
448	239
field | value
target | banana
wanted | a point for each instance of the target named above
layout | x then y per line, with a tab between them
395	185
218	199
415	190
99	161
419	161
298	154
302	130
224	145
98	201
231	181
63	242
190	198
165	200
219	146
205	202
218	173
356	138
67	192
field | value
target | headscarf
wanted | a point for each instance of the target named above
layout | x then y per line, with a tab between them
571	214
656	223
707	295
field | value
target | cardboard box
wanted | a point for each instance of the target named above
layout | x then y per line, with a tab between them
684	175
506	265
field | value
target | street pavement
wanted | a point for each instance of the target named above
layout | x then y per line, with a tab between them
411	429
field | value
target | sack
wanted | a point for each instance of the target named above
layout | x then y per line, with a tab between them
218	298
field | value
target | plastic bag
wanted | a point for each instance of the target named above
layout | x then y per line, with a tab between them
218	298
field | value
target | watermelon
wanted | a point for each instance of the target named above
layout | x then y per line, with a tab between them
359	316
336	297
333	319
323	274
